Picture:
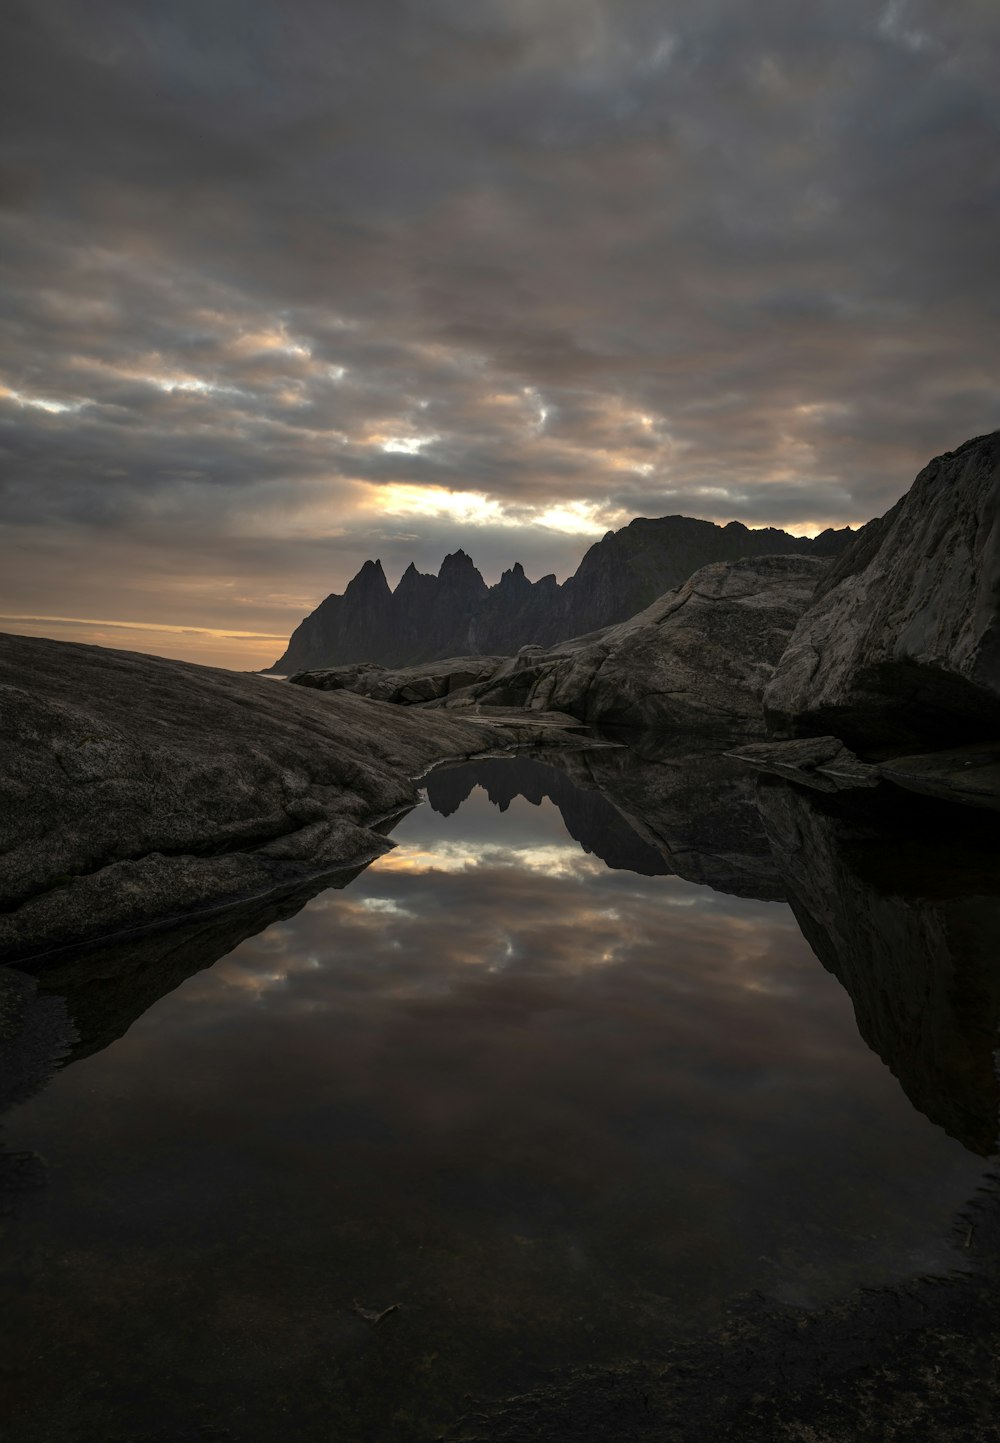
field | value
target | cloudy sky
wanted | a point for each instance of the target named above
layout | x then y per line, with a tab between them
290	285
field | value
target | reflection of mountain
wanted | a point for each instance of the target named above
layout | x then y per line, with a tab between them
900	900
588	817
695	808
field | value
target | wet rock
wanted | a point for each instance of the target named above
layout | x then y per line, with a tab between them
137	790
698	659
823	763
901	649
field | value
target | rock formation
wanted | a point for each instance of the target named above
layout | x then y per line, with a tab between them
901	650
405	685
430	617
136	789
698	659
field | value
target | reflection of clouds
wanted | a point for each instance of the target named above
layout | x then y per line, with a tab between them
513	1096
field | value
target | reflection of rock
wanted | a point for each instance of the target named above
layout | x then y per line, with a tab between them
696	808
668	810
902	905
106	988
823	763
588	817
136	790
901	649
969	775
35	1034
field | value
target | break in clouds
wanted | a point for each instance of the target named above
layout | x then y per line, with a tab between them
285	286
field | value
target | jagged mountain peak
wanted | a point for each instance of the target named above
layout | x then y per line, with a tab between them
455	613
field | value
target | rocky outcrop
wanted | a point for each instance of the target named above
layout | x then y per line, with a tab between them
430	617
901	650
136	789
407	685
900	900
698	659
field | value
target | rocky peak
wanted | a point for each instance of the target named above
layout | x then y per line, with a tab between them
370	582
459	572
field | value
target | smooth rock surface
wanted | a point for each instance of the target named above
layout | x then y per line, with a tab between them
901	650
135	790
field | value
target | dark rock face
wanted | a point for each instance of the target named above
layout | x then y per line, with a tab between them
901	649
698	659
136	790
900	900
407	685
430	617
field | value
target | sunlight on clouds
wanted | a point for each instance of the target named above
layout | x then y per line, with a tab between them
407	445
472	508
469	507
41	403
577	518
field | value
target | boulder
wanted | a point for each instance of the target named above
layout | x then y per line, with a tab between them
136	790
901	649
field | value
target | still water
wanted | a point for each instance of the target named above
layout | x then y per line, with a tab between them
547	1110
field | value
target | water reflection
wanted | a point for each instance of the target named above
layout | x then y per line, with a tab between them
555	1110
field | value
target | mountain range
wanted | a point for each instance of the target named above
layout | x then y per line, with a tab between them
455	613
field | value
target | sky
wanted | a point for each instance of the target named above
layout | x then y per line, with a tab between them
287	286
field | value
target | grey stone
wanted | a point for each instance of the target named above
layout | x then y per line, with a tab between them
135	790
901	649
697	660
405	686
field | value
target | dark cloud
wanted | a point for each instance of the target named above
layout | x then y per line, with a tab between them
279	282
